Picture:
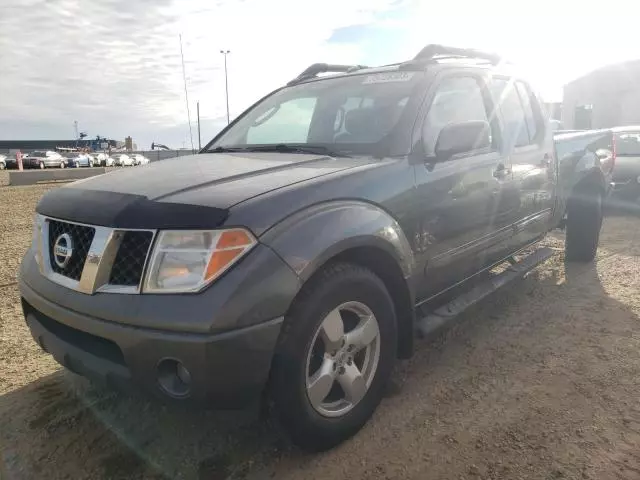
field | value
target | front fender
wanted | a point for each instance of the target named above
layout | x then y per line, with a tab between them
309	238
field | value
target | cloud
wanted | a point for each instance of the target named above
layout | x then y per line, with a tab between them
114	65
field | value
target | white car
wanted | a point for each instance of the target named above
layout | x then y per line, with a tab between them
124	160
139	159
110	161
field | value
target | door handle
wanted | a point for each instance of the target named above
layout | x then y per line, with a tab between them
501	171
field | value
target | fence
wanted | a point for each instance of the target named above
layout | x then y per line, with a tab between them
153	155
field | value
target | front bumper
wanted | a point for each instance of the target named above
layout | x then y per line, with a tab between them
122	340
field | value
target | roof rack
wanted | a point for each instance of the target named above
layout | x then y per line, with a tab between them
433	53
317	68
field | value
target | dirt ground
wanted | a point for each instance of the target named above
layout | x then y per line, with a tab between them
539	381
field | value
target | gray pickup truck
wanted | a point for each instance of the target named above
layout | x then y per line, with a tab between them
292	260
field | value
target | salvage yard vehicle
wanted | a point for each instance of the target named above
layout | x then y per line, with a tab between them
123	160
139	159
296	257
42	160
80	159
626	177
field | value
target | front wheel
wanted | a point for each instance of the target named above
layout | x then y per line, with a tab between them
62	165
584	221
334	357
2	166
41	165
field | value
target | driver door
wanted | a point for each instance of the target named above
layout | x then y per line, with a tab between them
456	197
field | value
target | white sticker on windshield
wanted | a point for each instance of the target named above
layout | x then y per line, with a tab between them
388	77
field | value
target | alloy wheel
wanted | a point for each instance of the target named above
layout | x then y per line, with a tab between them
342	359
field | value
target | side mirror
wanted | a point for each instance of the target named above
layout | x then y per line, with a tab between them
604	154
462	137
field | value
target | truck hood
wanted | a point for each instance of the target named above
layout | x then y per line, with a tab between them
195	191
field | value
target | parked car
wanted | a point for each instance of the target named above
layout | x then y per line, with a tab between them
42	159
100	159
296	257
139	159
9	162
80	159
123	160
110	161
626	176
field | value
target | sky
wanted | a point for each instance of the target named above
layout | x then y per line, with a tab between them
114	66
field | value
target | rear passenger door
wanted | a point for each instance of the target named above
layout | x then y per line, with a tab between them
455	198
528	143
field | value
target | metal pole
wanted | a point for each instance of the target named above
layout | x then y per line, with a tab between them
186	94
226	81
198	110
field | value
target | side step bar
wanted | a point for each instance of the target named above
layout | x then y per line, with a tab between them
517	269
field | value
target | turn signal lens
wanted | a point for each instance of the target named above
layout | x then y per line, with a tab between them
187	261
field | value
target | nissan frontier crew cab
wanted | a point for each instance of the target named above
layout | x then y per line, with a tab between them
294	257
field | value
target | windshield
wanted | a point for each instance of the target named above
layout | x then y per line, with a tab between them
628	144
348	114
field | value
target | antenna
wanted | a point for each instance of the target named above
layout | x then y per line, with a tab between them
186	94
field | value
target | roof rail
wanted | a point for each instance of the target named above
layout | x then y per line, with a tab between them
317	68
431	52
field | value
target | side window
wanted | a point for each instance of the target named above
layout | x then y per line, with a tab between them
506	98
458	99
529	114
287	122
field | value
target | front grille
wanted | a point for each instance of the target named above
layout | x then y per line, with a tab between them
130	259
81	236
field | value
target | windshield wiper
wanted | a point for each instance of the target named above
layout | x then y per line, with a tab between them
282	148
227	149
294	148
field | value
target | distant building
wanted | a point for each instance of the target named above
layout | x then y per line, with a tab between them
95	144
607	97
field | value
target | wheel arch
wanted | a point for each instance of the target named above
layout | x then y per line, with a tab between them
591	183
352	232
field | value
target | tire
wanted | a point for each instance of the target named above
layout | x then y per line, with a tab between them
584	221
90	164
41	165
62	165
2	166
316	427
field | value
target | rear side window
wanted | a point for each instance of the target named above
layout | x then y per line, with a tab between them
458	99
507	100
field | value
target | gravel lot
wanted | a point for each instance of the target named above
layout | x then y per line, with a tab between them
539	381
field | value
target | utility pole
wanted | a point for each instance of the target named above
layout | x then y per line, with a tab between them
226	80
75	128
186	93
198	111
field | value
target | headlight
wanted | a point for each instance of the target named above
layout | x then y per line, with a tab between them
187	261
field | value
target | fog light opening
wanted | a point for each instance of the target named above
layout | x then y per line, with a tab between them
174	378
